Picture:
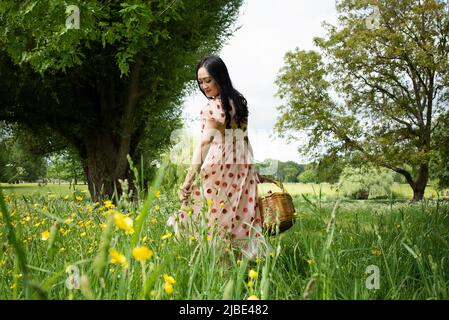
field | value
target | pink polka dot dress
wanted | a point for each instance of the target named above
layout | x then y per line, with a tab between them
226	190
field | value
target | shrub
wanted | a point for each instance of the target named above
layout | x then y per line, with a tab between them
366	183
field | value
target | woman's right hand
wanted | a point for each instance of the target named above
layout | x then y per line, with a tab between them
184	193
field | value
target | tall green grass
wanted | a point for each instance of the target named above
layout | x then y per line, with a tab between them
325	255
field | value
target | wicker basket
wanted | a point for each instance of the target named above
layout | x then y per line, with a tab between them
274	202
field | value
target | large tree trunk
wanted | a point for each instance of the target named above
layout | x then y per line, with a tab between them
105	166
108	145
421	182
418	186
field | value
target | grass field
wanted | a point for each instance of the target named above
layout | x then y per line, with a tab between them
34	189
328	191
70	248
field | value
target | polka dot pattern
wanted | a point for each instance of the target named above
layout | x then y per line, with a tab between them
228	189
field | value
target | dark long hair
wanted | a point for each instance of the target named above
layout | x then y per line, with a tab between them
217	69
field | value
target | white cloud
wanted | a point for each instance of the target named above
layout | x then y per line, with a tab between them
254	56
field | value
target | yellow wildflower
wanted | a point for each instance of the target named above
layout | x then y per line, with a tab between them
156	207
110	212
118	258
142	253
166	236
168	288
376	252
153	220
169	279
108	204
253	274
249	284
45	235
79	198
253	297
169	282
123	222
157	194
66	197
309	261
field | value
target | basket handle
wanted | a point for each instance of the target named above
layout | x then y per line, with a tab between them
276	182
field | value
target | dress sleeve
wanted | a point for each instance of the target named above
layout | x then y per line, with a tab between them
213	111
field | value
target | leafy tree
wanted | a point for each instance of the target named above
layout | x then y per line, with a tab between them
4	128
366	183
288	171
17	161
307	176
374	92
329	168
440	160
65	165
114	86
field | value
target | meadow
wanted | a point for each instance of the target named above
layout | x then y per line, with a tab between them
67	247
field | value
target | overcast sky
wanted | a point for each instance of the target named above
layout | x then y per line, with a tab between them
254	56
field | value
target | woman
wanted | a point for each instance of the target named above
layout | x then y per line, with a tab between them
222	179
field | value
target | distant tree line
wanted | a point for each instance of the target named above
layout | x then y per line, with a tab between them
19	161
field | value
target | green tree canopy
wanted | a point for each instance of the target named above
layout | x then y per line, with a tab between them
17	159
366	182
376	87
112	87
65	165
